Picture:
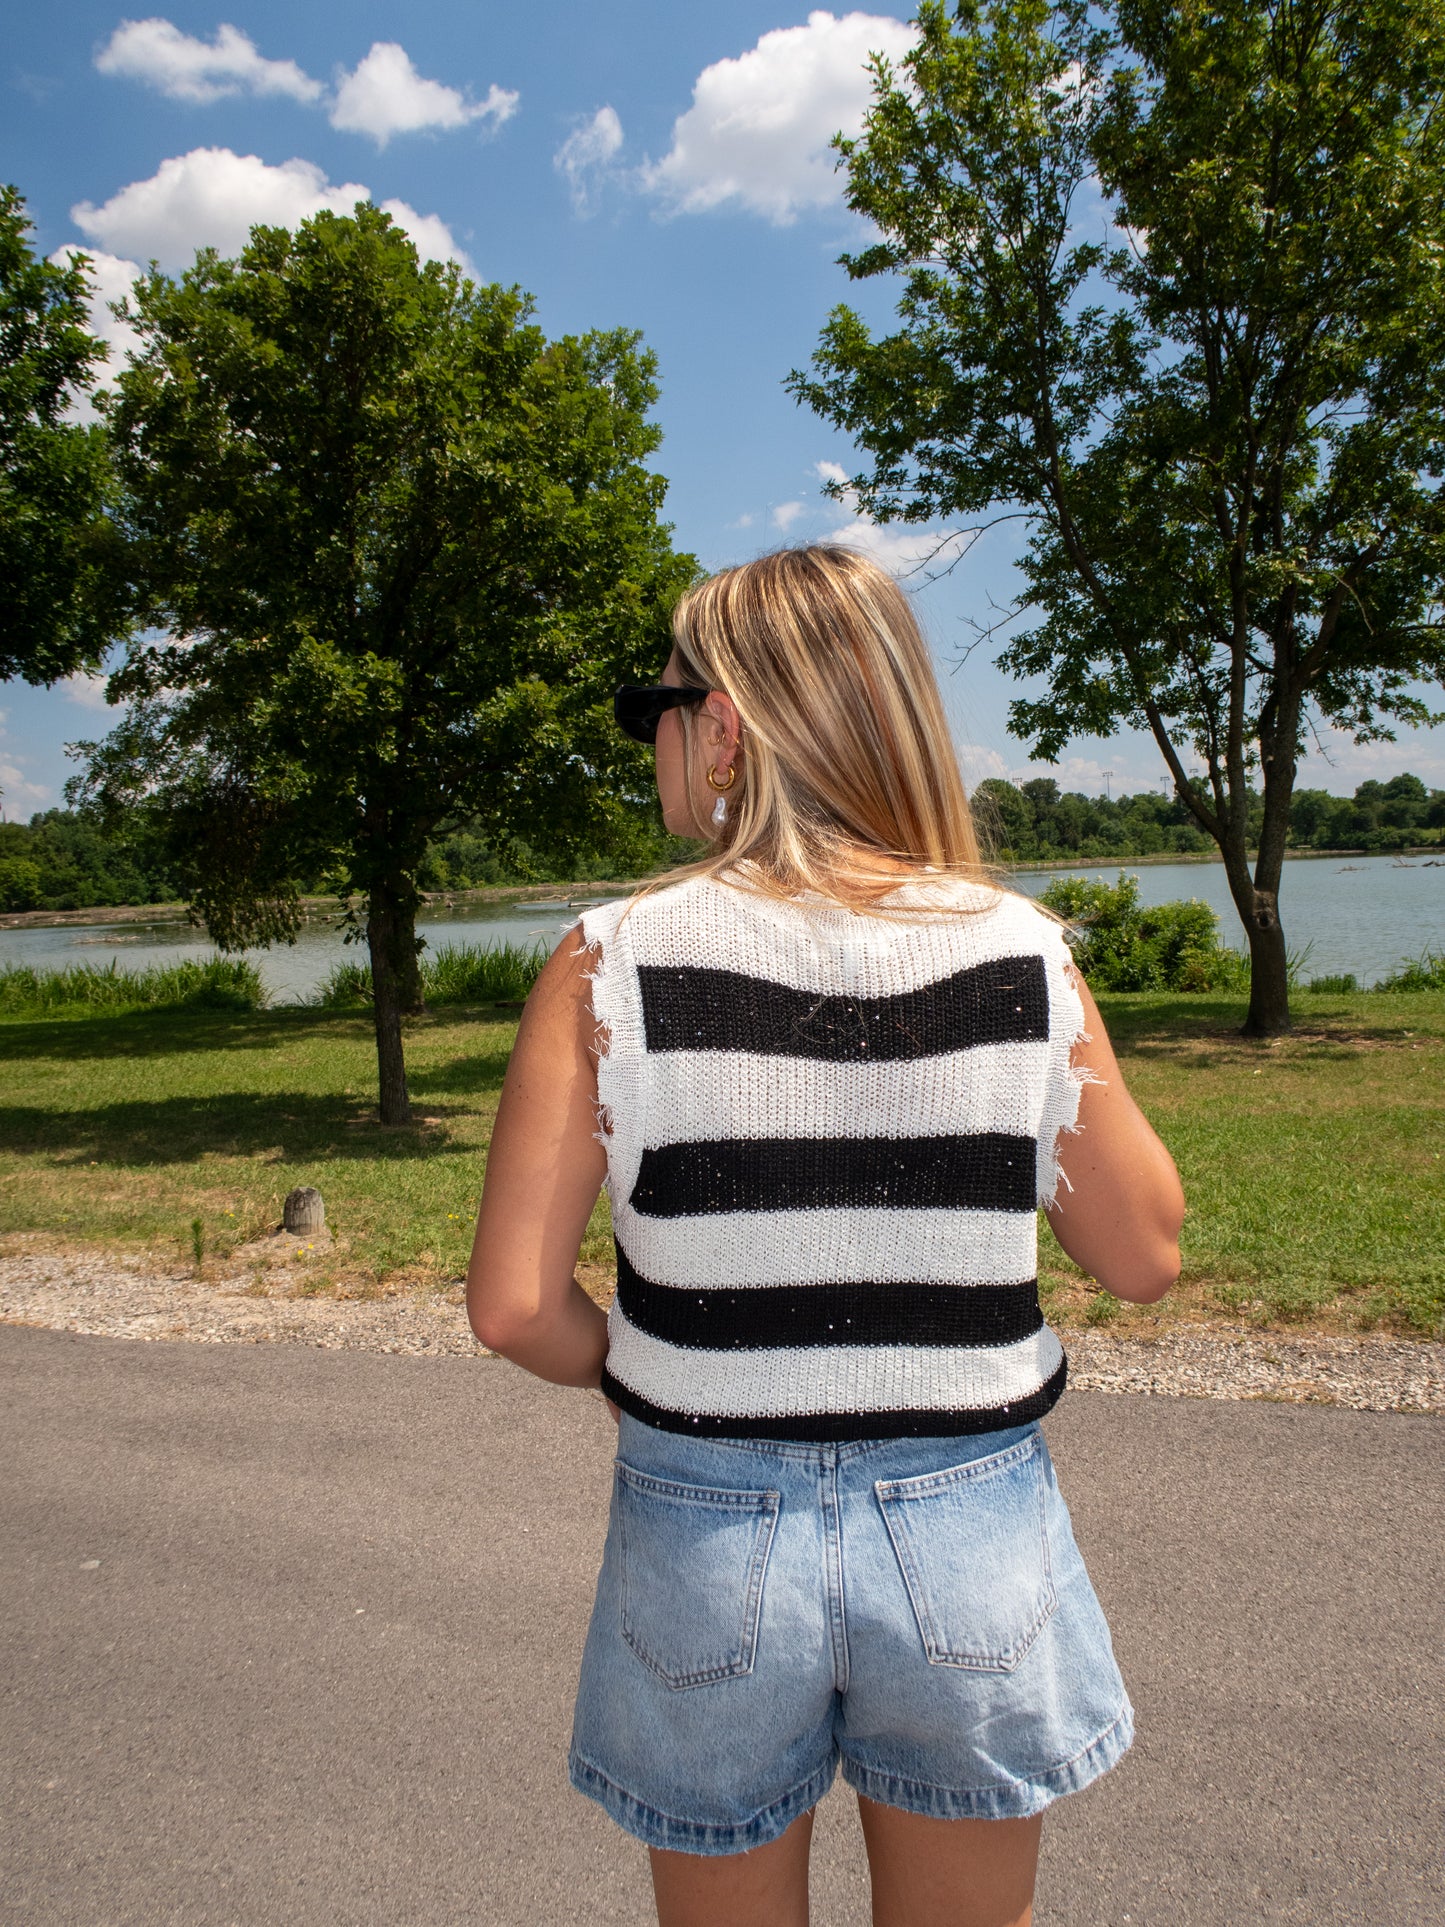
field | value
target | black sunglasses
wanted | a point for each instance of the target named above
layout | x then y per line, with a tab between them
639	710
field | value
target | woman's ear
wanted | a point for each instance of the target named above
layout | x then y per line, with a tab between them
724	725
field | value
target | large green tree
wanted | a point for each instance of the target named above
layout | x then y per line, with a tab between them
1173	292
60	589
401	547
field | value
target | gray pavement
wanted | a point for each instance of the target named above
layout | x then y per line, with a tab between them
290	1636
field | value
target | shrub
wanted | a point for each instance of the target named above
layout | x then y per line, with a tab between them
459	974
1427	972
212	983
1120	944
21	884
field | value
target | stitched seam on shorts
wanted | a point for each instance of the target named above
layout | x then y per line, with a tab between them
834	1579
993	1786
716	1828
766	1509
898	1493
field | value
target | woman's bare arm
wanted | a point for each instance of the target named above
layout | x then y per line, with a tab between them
1119	1213
544	1170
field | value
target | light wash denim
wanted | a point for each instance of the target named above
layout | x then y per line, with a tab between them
914	1609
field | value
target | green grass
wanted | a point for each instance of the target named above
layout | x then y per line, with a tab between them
1313	1164
210	983
124	1129
464	973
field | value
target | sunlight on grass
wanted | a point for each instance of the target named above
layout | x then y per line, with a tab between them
1312	1164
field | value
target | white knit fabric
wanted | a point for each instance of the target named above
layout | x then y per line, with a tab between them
825	1231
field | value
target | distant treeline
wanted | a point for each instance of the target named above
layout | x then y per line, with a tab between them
61	860
1035	821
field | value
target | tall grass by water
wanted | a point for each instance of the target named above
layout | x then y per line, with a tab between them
464	973
210	983
1425	972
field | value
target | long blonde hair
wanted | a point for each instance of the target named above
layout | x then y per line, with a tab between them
846	761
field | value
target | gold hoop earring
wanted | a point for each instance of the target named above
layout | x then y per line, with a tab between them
732	777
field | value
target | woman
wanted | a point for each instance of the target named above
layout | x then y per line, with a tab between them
831	1065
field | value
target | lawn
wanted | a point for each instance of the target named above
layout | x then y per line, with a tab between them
1312	1164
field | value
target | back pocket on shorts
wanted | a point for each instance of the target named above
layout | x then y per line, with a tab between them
692	1565
974	1549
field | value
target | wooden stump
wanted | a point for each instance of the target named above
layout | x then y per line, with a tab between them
303	1213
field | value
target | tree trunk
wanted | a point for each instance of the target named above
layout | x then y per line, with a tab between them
1258	907
1268	968
410	997
390	935
1268	965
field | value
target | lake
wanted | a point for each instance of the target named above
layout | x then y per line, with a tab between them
1361	914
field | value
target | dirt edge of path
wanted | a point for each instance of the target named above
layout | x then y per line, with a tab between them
129	1297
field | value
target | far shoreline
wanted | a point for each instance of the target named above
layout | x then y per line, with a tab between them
564	895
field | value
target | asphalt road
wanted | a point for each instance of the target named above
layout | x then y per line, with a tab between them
291	1636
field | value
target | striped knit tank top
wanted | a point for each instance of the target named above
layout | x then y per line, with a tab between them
828	1135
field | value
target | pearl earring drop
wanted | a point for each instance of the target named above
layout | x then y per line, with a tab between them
720	808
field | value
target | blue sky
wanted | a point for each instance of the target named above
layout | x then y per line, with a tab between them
642	164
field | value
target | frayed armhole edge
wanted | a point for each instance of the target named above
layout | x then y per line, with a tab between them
591	953
1067	1078
618	1044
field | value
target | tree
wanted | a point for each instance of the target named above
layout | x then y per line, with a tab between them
1220	417
402	547
1003	814
60	591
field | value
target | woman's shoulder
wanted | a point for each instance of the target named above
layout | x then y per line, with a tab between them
719	911
641	915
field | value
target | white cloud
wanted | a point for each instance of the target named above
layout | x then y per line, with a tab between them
85	690
110	280
759	126
430	235
785	514
978	763
213	197
383	95
1340	765
177	64
586	152
902	549
386	95
1123	775
17	787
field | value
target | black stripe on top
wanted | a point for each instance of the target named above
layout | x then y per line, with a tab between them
826	1428
762	1317
1003	1001
986	1171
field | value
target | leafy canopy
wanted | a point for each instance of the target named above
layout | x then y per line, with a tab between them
1172	289
60	588
399	548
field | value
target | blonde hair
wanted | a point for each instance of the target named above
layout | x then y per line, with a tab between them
846	761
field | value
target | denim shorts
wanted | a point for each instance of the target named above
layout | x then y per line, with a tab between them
915	1610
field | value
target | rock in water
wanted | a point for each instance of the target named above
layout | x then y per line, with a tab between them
303	1213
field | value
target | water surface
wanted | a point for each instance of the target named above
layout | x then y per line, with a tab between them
1361	914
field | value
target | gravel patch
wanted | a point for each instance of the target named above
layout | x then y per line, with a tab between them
1366	1374
112	1296
130	1297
